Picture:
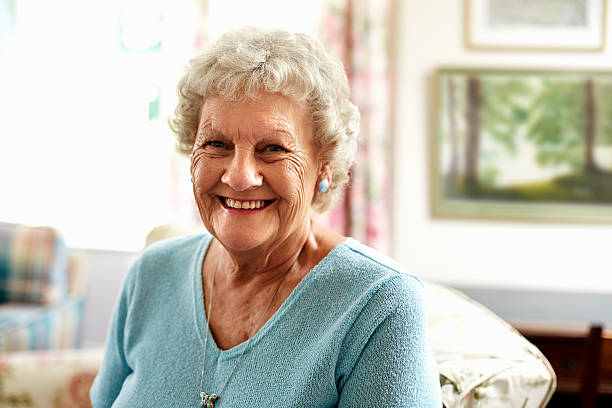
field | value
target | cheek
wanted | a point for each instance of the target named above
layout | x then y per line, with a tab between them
298	175
204	176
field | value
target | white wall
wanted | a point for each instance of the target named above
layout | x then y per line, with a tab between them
106	271
467	253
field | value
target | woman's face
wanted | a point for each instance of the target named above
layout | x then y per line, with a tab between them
254	168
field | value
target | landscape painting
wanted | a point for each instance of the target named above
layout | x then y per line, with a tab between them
538	13
536	25
523	144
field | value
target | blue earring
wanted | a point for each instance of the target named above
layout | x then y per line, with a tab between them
323	186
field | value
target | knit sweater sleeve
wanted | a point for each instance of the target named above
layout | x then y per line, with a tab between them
386	360
115	368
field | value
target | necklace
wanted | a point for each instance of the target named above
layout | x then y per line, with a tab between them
209	399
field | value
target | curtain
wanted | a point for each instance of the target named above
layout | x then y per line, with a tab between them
357	33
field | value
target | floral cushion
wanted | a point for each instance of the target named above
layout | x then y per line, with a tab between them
49	379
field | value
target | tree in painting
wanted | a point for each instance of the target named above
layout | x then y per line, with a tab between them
563	124
530	137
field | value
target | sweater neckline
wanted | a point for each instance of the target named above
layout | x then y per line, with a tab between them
200	313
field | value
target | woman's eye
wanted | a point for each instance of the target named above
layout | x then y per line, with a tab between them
274	148
214	143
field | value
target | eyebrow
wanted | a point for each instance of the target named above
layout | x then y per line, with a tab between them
208	131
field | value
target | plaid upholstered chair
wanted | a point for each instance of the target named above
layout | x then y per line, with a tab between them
41	300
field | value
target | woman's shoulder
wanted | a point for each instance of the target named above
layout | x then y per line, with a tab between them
355	258
175	246
369	254
170	254
357	271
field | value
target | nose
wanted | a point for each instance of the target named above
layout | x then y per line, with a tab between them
242	172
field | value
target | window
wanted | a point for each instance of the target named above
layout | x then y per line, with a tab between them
86	90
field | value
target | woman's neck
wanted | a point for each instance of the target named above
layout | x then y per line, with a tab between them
260	266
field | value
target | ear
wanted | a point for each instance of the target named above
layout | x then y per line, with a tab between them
326	171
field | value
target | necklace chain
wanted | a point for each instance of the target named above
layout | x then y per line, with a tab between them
208	399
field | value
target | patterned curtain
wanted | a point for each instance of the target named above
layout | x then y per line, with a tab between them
357	32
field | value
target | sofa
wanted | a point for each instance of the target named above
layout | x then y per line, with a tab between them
483	361
41	290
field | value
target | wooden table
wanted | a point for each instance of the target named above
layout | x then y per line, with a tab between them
581	356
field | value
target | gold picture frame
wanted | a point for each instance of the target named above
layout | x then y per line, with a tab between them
543	26
528	145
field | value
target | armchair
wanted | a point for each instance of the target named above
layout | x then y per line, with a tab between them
41	290
483	361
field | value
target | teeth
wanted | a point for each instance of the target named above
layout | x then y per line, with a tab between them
245	205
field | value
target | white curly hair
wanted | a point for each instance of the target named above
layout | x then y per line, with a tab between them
245	62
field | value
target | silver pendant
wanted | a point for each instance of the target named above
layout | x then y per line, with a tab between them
207	400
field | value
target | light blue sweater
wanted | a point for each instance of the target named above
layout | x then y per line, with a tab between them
351	334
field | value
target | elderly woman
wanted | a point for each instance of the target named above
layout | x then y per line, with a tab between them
267	308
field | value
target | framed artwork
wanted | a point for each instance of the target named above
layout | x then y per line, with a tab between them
536	25
522	144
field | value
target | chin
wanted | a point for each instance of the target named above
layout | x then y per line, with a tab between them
239	242
238	245
244	236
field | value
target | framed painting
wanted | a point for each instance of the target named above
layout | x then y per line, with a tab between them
536	25
522	144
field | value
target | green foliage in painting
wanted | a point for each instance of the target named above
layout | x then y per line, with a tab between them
603	100
505	108
557	123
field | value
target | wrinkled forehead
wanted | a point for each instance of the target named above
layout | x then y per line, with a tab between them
265	116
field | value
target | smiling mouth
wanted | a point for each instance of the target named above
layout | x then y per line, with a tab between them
244	204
